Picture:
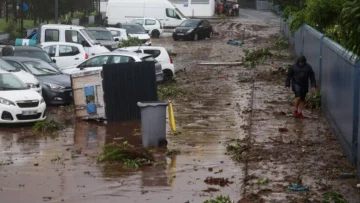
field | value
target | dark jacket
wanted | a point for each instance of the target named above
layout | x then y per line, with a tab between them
300	75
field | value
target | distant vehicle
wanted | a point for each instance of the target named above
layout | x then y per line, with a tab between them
159	53
152	26
56	87
69	33
28	51
24	76
194	29
66	54
97	62
118	33
136	30
104	36
124	11
19	104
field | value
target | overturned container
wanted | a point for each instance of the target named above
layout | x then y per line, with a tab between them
153	123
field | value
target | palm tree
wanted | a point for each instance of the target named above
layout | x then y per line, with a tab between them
350	25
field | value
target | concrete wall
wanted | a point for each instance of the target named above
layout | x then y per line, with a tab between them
197	9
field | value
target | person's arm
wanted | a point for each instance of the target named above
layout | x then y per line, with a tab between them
312	77
289	76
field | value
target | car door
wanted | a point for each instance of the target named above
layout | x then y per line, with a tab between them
68	56
139	21
150	25
52	51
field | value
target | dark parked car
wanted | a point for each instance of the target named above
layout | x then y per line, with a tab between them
56	87
104	37
28	51
193	29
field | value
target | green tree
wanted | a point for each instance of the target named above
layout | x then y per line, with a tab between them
350	25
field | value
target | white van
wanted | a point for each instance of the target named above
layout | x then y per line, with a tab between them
124	11
72	34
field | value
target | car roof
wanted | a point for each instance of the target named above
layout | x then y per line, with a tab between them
140	55
130	24
144	47
27	48
145	18
97	28
195	20
62	26
20	58
61	43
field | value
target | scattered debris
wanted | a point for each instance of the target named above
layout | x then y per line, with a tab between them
36	164
173	152
236	43
334	197
347	175
43	126
283	130
220	199
87	172
236	151
175	133
21	185
211	189
169	92
262	181
47	198
296	187
210	169
127	154
218	181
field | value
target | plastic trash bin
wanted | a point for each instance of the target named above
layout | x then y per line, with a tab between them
153	123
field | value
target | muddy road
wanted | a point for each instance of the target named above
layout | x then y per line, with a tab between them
218	106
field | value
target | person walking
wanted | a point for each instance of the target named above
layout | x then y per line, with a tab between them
299	75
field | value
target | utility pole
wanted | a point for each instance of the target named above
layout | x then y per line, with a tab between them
56	11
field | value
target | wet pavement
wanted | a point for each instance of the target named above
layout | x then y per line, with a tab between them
221	103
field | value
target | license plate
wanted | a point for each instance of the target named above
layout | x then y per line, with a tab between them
180	33
26	113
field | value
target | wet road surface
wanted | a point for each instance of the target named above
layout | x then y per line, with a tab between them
223	103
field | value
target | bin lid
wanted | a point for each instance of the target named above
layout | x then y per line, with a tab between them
152	103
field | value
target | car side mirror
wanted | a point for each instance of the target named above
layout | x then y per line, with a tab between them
116	39
147	31
84	44
54	60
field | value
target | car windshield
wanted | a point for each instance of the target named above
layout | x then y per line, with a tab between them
189	23
89	36
40	68
7	67
35	54
102	35
10	82
134	29
179	12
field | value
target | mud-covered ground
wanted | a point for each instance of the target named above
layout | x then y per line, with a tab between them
219	105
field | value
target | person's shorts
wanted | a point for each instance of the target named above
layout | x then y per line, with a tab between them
299	92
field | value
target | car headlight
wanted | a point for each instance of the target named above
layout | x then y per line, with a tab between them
42	101
6	102
54	87
31	85
189	31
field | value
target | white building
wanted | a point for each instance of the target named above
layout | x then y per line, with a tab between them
198	8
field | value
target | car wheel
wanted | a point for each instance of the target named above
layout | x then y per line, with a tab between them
168	75
196	37
210	34
155	34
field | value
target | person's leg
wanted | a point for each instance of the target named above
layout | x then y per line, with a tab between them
301	105
296	104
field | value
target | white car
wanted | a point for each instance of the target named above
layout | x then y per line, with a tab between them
151	25
65	54
24	76
97	62
159	53
118	33
136	30
19	104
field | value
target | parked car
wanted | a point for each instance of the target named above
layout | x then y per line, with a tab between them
97	62
104	36
136	30
28	51
151	25
66	54
193	29
159	53
118	33
24	76
56	87
19	104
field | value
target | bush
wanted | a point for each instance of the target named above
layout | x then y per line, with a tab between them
52	125
131	41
